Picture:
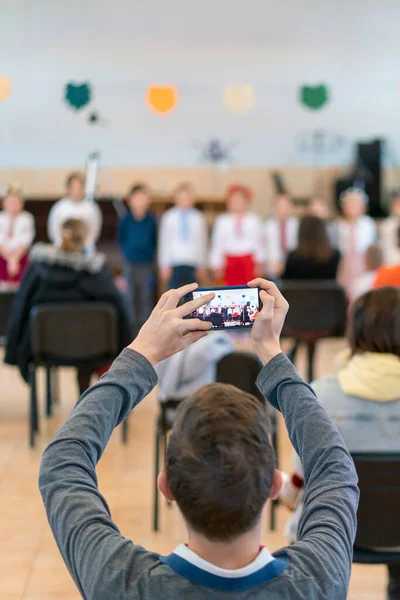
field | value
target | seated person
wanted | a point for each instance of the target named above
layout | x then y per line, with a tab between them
17	232
314	257
220	469
373	262
389	275
319	207
363	399
62	274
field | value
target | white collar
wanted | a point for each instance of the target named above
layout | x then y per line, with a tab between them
263	559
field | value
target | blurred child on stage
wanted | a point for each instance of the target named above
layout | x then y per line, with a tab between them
237	252
17	232
182	244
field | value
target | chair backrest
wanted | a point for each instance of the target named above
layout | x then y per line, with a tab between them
315	307
6	300
378	511
74	333
240	369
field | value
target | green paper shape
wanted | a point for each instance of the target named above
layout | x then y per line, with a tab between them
77	95
314	97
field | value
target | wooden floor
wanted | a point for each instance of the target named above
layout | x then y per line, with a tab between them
30	565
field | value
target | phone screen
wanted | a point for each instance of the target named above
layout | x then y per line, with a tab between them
232	307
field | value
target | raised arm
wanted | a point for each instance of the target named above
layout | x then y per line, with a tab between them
328	523
79	517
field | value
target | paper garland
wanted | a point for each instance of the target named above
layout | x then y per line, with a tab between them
5	88
162	99
314	97
238	99
77	95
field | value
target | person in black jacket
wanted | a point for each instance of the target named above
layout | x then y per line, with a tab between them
62	274
314	257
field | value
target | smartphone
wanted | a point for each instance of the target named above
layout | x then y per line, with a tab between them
232	308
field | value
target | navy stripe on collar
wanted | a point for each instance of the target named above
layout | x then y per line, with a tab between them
197	575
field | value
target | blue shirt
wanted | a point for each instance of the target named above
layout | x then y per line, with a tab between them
138	239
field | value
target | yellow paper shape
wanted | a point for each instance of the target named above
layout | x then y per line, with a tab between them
162	99
238	99
5	88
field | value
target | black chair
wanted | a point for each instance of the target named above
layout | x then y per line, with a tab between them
317	311
378	523
6	301
69	335
241	369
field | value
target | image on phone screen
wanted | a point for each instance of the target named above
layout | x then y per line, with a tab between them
232	307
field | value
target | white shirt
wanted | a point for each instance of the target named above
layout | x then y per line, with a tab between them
365	234
16	232
272	232
84	210
182	238
236	235
389	240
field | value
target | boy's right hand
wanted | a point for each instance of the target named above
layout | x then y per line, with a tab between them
267	328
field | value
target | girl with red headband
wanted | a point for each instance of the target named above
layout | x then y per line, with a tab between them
237	252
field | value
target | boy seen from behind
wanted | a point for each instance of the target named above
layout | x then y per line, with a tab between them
220	470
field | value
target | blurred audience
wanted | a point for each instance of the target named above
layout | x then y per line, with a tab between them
237	253
314	257
184	373
356	232
137	237
389	275
363	399
373	261
280	235
62	274
75	206
388	232
17	232
182	243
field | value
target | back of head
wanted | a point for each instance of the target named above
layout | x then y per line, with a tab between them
373	257
353	202
374	324
220	462
313	240
74	235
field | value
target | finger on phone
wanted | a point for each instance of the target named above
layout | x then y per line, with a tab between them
268	303
271	288
189	307
195	325
174	296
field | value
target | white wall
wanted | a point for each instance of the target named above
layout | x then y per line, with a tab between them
121	47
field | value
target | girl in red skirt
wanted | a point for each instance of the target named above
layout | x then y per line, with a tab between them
237	253
17	231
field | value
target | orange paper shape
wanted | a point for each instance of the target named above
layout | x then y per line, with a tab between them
162	99
5	88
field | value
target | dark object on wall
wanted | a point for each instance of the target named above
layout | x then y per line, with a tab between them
367	175
77	95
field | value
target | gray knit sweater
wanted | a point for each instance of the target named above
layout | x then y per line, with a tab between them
107	566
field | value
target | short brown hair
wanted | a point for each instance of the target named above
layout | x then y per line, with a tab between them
74	233
375	322
184	186
75	175
220	462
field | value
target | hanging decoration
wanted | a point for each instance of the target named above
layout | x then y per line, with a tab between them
216	152
314	97
77	95
162	99
238	99
5	88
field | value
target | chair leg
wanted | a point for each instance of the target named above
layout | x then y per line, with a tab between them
311	355
125	429
274	503
49	392
33	409
156	471
293	352
55	385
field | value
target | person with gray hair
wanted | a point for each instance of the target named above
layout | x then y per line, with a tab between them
356	232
